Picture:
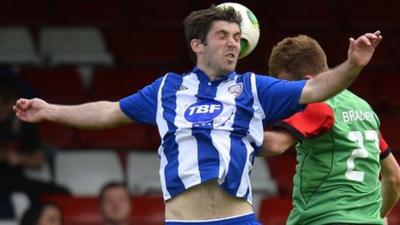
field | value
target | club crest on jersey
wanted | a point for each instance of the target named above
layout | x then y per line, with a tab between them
203	111
236	89
183	88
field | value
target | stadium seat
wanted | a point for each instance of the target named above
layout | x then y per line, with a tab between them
76	210
24	12
386	56
21	203
390	128
365	86
385	14
142	13
137	136
275	211
262	183
295	14
74	46
394	216
114	84
261	180
42	174
59	136
61	85
8	222
85	172
148	210
142	47
94	12
387	87
283	168
142	173
17	47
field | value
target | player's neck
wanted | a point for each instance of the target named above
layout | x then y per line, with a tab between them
212	73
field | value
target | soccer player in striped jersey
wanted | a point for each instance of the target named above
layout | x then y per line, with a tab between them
340	151
210	119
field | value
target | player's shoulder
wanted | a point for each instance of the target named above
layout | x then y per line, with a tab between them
318	109
173	76
351	99
258	77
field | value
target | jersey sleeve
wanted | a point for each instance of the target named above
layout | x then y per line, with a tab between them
383	147
316	119
142	105
278	98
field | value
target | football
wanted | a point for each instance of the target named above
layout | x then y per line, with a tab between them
250	28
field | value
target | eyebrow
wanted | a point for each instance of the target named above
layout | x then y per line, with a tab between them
222	30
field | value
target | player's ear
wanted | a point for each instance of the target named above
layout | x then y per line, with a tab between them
197	46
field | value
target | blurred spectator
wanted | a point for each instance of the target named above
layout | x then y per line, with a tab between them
48	214
20	148
115	204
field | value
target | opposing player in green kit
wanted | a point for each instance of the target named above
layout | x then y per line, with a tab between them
340	151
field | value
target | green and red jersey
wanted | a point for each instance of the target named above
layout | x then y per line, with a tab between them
338	162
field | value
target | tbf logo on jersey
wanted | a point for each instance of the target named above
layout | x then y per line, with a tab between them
203	111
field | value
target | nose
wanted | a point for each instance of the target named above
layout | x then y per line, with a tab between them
233	42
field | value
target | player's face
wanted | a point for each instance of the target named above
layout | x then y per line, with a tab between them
222	46
50	216
116	205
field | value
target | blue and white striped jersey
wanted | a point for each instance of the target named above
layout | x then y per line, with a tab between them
211	130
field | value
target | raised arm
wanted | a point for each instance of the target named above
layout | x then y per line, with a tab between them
390	172
94	115
331	82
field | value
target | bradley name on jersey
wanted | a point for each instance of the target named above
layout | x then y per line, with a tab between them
354	115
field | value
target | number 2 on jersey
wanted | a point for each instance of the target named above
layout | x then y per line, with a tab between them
361	152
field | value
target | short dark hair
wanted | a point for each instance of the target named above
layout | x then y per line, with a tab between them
198	23
32	215
107	186
297	56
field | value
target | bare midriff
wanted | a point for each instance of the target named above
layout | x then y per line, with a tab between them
205	201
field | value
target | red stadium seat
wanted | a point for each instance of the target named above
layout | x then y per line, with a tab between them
59	135
282	170
390	127
76	210
394	216
148	46
148	210
384	13
62	85
24	12
135	136
99	12
113	84
296	14
387	92
275	211
157	14
365	86
385	54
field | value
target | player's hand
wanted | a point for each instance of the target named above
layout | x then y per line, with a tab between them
31	110
361	50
